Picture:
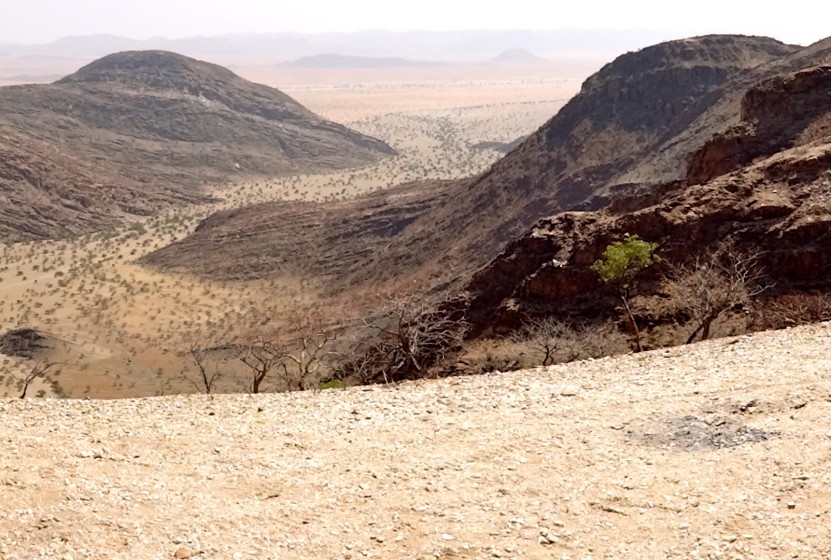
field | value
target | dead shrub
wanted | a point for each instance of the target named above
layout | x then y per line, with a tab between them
713	283
550	341
407	338
790	310
545	342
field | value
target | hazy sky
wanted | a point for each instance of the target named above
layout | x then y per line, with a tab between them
32	21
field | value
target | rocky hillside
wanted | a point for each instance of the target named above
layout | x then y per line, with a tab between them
634	124
137	131
329	241
764	184
685	453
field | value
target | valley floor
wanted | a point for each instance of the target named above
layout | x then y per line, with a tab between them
718	450
118	329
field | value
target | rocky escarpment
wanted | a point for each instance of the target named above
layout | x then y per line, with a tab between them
576	160
325	241
779	204
780	112
137	132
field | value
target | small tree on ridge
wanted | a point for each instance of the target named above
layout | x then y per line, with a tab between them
620	265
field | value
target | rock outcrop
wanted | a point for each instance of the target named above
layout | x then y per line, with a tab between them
778	113
771	193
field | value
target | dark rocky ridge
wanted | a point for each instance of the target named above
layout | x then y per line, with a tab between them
137	132
582	155
323	241
779	203
658	100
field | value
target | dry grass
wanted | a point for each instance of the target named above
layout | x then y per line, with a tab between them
122	327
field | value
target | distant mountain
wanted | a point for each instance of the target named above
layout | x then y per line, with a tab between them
604	42
347	61
413	45
517	56
30	78
135	132
90	45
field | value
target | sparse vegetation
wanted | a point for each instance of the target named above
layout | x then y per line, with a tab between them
790	310
129	322
713	283
404	339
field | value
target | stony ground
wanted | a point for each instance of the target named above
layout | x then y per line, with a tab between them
722	450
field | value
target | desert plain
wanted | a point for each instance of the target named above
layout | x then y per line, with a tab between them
117	329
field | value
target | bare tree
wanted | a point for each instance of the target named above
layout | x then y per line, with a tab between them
405	339
299	359
38	371
713	283
304	357
208	366
551	340
261	357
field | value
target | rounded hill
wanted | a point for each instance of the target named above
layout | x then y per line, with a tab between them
152	127
138	66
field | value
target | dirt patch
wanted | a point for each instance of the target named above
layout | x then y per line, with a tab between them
700	433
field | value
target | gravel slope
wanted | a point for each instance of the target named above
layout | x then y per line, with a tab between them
722	450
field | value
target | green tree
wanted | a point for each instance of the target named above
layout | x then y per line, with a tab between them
620	266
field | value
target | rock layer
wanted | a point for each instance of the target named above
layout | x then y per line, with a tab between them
780	204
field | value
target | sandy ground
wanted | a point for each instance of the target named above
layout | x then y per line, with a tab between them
721	450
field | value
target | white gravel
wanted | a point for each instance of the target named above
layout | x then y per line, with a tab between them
658	455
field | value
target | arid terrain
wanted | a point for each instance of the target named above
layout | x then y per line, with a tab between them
438	307
720	450
118	328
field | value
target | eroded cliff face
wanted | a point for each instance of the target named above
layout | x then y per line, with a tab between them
778	113
765	185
